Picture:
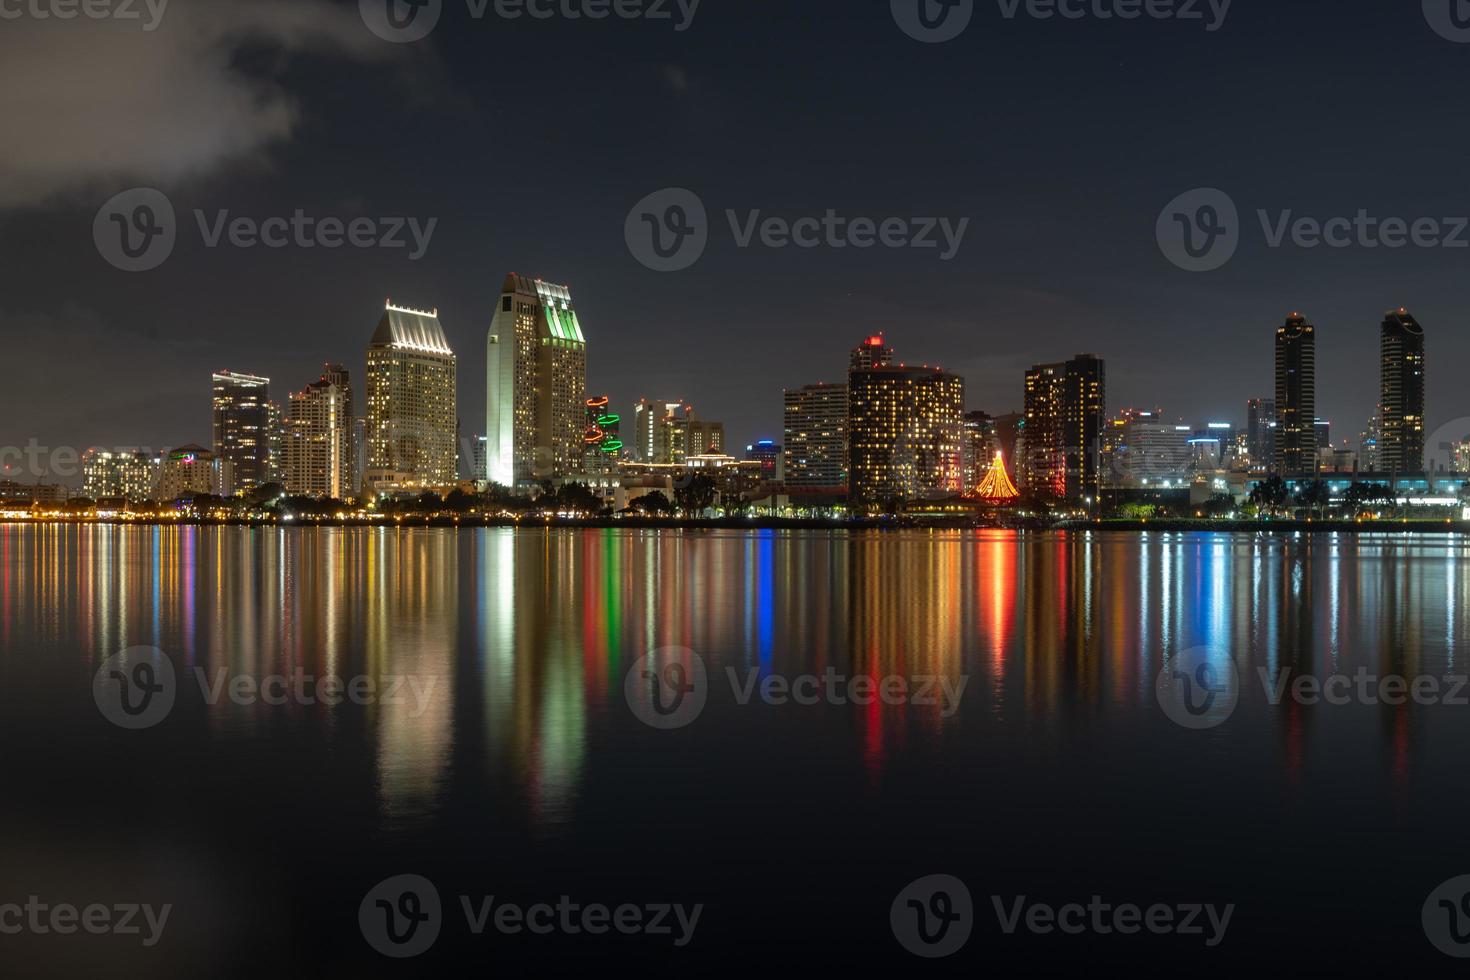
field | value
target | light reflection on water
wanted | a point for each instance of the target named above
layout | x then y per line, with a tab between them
527	636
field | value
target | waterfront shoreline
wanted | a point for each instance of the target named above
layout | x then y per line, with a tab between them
1202	526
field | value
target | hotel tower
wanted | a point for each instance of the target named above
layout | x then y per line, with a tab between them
536	384
411	388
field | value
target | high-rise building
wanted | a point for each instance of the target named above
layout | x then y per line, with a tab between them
602	441
1261	432
536	383
242	426
689	436
1065	406
816	439
1043	470
1083	409
872	352
191	470
1369	440
905	433
411	389
768	453
652	434
318	438
1143	450
1296	397
275	443
1401	449
130	475
981	446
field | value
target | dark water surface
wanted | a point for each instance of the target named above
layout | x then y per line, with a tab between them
511	764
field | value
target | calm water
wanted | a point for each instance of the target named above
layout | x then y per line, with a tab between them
515	766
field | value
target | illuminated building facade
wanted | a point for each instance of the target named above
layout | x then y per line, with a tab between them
652	422
319	457
689	436
1401	442
242	426
1065	408
872	353
536	384
602	438
1261	432
766	452
1142	450
194	470
1296	397
980	448
816	440
1042	470
905	431
130	475
411	391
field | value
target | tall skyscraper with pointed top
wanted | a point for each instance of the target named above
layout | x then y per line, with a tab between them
1401	394
535	383
1296	398
411	388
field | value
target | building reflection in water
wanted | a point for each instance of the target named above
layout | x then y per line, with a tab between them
527	635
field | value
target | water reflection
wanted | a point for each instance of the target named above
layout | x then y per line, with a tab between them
527	636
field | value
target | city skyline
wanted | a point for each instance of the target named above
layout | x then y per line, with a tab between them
1075	261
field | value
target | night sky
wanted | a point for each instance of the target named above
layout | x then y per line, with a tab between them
530	141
